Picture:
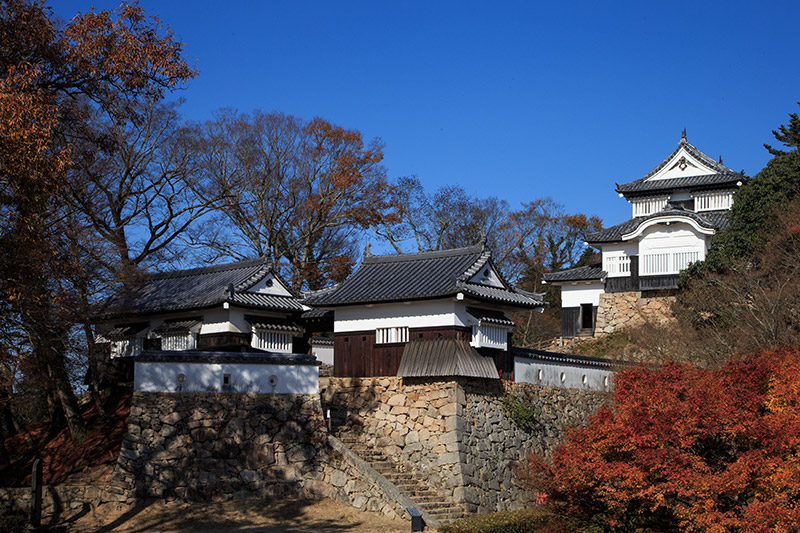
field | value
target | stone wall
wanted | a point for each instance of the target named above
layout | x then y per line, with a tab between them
492	444
412	423
456	434
210	446
618	310
57	499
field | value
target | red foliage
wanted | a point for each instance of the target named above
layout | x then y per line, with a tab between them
688	449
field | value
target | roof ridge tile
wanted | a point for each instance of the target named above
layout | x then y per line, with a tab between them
417	256
212	269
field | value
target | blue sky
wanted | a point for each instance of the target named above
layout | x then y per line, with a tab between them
518	100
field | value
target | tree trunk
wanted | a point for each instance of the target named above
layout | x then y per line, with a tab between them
94	372
8	423
68	401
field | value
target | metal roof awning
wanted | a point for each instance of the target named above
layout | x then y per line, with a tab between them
444	358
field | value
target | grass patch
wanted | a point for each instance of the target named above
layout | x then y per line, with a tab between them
612	346
532	520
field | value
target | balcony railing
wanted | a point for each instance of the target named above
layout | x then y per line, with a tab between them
666	263
617	266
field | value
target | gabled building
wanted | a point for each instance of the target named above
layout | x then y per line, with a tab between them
243	306
676	208
443	313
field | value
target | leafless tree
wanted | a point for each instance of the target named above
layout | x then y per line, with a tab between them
299	191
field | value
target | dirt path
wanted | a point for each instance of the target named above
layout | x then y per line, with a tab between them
263	516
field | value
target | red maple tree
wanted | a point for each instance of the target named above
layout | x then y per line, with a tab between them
686	449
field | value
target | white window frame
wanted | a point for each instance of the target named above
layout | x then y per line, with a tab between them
643	207
617	265
128	347
178	341
272	341
667	263
713	201
393	335
490	336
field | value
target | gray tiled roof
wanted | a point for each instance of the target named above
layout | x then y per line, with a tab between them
178	326
558	357
118	333
722	176
266	301
425	275
249	358
198	288
490	317
515	297
707	219
584	273
317	313
274	324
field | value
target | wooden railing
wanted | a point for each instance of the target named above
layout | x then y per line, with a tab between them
618	266
666	263
713	201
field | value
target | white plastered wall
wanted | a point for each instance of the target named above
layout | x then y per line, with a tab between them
673	170
419	314
677	237
581	293
276	287
433	313
323	353
565	376
208	377
487	276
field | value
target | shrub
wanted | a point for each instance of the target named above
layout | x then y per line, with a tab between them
519	411
533	520
686	449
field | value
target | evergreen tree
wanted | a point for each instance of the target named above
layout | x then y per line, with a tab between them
758	204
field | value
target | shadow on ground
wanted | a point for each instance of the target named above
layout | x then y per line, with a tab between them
265	516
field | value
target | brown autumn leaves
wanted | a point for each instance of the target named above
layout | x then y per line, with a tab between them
101	179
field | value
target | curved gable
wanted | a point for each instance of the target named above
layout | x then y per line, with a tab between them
667	220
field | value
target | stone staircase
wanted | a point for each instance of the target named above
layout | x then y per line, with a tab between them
438	505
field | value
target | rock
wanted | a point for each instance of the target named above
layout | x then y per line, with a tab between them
248	476
172	418
397	399
338	478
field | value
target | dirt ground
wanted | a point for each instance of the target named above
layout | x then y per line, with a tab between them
262	516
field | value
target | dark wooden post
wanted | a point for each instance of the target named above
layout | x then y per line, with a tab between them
36	494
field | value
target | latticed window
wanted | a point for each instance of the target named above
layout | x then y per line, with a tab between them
391	335
127	347
647	206
490	336
713	201
617	265
178	341
272	341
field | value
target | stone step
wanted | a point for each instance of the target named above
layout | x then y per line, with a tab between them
419	493
396	476
447	516
441	507
415	485
422	500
